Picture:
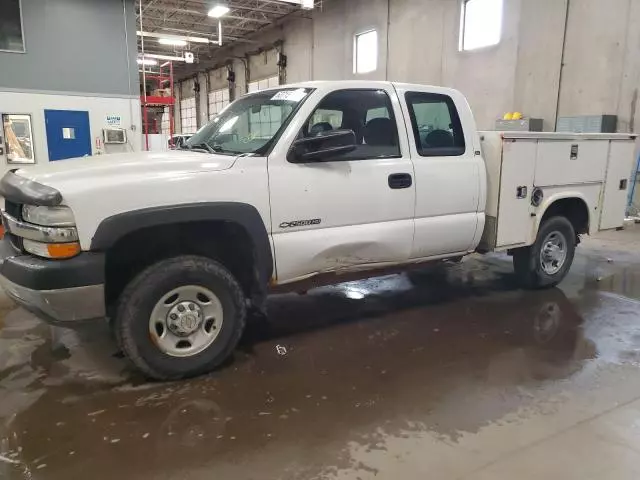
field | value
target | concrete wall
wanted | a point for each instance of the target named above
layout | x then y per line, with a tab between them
418	42
602	59
75	46
218	79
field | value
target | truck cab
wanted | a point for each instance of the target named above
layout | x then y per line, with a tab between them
307	182
409	184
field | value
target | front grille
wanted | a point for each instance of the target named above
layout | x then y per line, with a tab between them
15	210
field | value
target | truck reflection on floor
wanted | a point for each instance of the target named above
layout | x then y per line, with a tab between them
408	356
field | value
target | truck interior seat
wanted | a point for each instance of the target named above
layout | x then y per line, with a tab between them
380	132
438	139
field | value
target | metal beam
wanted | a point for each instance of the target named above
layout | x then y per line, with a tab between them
234	38
191	22
247	19
204	14
258	9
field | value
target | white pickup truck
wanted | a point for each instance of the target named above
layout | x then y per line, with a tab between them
310	180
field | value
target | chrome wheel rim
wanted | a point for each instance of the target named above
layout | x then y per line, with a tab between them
186	320
553	253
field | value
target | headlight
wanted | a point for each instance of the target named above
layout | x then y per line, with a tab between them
59	216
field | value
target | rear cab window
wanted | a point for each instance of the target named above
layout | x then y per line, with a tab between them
436	124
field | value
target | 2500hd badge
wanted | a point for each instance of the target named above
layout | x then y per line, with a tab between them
300	223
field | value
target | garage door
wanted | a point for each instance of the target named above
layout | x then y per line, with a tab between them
264	84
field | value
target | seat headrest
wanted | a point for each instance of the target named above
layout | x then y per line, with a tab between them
380	132
319	128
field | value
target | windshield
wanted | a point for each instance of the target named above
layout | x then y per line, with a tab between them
251	123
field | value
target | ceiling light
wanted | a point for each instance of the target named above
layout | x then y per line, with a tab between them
218	10
147	61
306	4
164	57
176	42
187	39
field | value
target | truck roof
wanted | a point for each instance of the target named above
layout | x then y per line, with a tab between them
360	84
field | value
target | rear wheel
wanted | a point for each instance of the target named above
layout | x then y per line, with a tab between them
545	263
180	317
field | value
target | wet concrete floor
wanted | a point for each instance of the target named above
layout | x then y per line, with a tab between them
447	373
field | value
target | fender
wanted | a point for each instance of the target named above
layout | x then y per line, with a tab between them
114	228
547	202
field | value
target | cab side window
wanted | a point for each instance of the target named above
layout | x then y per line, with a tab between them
368	113
436	124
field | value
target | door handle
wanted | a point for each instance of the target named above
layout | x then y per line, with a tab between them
400	180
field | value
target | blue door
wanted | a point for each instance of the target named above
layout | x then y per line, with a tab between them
68	134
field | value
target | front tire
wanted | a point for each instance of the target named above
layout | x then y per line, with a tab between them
545	263
180	317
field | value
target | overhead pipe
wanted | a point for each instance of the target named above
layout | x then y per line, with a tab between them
126	44
144	85
562	55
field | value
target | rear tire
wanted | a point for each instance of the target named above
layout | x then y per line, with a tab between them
545	263
207	306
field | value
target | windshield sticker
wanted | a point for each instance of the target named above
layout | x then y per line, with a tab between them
290	95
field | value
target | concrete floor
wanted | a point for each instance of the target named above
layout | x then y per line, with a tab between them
449	373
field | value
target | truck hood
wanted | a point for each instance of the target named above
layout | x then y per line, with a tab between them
115	166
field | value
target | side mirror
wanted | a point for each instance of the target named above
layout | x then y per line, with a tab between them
322	148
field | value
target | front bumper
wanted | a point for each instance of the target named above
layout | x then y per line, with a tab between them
60	292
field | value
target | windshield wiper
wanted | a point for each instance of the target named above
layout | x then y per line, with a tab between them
219	149
201	146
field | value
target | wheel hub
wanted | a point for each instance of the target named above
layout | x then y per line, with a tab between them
553	253
184	318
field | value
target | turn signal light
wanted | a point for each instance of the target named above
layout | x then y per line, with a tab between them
52	250
63	250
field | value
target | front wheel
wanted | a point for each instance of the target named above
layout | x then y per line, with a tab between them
545	263
180	317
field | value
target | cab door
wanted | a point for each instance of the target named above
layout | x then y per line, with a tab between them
449	190
354	210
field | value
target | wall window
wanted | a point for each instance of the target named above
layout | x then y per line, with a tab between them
264	84
368	113
436	124
188	119
218	99
480	23
365	52
11	36
18	138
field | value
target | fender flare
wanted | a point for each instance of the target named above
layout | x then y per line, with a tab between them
561	196
114	228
